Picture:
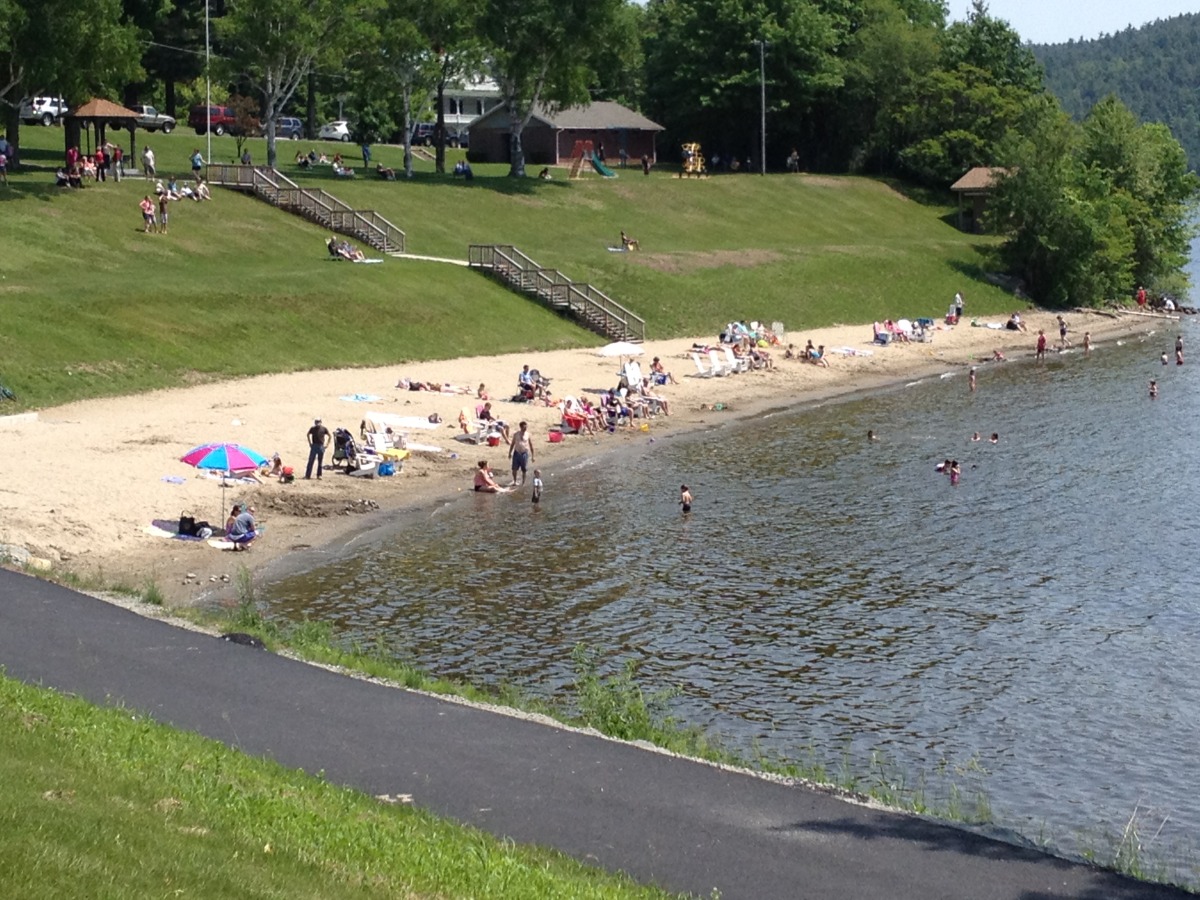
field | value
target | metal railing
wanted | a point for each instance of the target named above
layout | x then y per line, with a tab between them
584	302
315	204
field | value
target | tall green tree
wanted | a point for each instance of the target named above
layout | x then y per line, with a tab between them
543	53
451	31
273	44
1148	172
1090	211
64	48
703	67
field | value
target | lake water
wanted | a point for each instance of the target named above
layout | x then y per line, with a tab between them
828	597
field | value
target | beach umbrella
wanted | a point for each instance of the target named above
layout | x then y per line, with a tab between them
621	348
223	457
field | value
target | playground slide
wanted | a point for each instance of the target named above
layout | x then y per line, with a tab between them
602	168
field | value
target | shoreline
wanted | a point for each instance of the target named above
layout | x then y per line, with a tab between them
119	469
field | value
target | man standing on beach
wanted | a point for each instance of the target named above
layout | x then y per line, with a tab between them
318	440
520	450
958	306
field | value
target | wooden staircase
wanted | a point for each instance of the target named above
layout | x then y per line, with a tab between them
316	205
590	307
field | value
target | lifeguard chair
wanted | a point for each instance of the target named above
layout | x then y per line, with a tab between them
693	162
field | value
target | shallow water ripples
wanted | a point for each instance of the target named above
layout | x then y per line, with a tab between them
829	596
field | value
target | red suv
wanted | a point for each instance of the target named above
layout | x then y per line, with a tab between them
223	119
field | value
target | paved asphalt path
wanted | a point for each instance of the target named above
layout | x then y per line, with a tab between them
685	826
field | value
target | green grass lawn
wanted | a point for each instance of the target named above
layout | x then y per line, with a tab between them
92	306
102	803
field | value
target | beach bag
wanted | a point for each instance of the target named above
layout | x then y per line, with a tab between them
187	525
385	469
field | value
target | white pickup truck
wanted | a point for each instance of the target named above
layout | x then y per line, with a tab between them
149	119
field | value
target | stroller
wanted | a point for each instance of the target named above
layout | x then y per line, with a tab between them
344	449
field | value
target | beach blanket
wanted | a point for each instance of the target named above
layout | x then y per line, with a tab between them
174	479
851	351
360	398
158	531
618	249
413	447
221	543
368	261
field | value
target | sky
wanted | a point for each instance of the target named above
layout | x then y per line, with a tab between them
1057	21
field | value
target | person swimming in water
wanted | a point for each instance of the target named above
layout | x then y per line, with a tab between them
955	471
976	437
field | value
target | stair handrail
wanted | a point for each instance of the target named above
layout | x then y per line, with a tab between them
582	299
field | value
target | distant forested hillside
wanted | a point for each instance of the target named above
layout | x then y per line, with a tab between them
1154	70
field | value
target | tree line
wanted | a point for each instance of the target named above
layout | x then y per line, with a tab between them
884	87
1154	70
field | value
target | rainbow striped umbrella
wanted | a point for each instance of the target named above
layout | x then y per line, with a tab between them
223	458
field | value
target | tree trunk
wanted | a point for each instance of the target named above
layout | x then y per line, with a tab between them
12	130
408	169
272	155
170	101
439	131
516	167
310	127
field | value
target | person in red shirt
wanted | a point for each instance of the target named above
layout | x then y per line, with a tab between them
1141	297
118	162
101	160
1041	344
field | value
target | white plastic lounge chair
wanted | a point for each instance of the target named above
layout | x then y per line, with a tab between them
701	372
733	364
718	366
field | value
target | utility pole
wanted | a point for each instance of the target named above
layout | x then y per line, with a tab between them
207	88
762	82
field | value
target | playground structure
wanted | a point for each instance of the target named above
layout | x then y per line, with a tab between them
693	162
585	151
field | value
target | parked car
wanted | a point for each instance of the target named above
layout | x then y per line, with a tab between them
288	127
223	119
148	118
46	110
335	131
425	132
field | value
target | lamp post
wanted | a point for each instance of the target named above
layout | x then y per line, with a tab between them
762	83
207	89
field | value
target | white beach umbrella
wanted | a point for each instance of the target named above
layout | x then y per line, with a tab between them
621	348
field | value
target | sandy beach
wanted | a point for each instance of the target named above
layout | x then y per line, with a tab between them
83	484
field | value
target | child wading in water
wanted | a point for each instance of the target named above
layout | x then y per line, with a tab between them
1153	388
537	486
685	498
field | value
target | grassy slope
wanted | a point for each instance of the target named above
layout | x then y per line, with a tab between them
98	803
92	306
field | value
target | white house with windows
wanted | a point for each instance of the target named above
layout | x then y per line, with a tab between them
466	102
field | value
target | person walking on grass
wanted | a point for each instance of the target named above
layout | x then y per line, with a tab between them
197	164
520	451
318	440
148	163
147	208
163	199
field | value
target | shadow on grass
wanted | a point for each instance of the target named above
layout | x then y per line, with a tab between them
925	196
323	177
1089	882
24	190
